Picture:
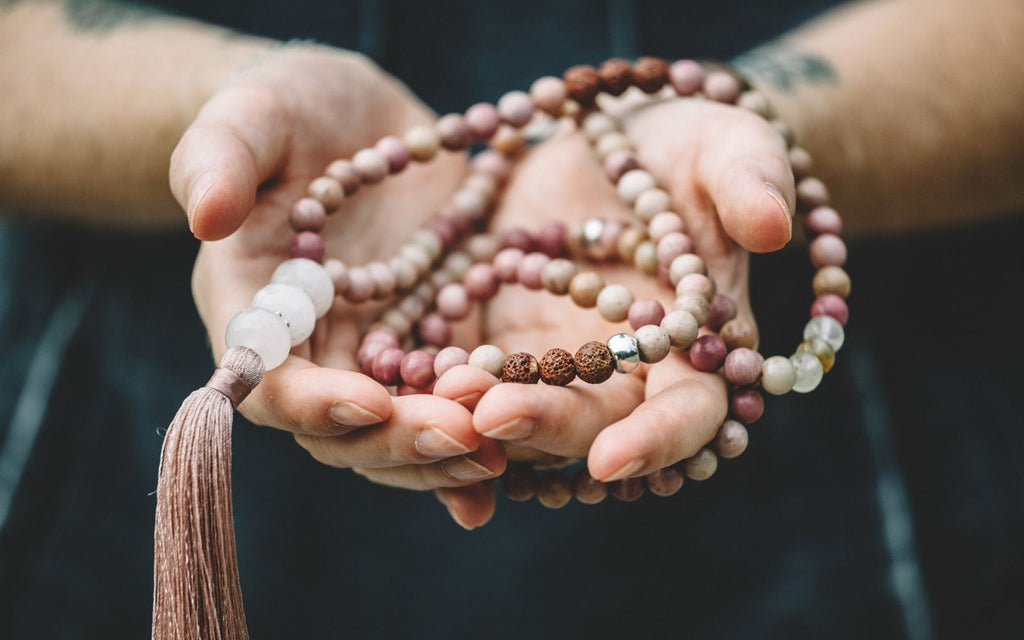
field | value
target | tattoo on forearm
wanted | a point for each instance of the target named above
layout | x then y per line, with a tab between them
102	16
784	68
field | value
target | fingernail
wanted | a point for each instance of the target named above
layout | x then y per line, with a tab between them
196	190
517	429
776	195
349	414
469	401
463	468
434	443
626	470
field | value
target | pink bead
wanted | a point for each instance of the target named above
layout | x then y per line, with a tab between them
395	151
549	94
454	132
686	77
609	242
663	224
551	239
673	245
722	87
387	365
338	272
445	229
308	214
663	277
708	353
506	264
345	173
619	162
530	269
492	163
746	405
723	309
515	108
481	281
447	358
830	304
360	285
828	249
417	369
644	312
469	205
732	439
517	238
483	120
369	349
307	244
435	330
453	301
823	220
381	335
811	192
743	366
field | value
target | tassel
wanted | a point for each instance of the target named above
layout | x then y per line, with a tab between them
196	590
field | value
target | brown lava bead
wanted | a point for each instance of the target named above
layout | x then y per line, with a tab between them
650	74
583	84
519	482
616	76
557	368
588	490
594	363
520	367
554	490
627	489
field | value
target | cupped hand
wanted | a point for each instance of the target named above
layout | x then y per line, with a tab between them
249	155
728	177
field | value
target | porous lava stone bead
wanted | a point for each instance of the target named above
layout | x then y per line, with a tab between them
594	363
583	84
665	482
627	489
650	74
557	367
588	490
616	76
554	490
519	482
520	367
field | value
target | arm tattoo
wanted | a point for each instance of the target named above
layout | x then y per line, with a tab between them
784	68
101	16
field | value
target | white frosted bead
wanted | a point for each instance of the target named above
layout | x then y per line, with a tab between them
262	331
685	264
292	304
489	358
312	278
778	375
809	372
828	329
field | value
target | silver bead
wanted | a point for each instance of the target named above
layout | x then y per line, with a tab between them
590	239
625	351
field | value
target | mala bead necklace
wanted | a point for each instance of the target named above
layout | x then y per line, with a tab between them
450	263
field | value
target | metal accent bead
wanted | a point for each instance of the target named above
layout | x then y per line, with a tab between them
625	352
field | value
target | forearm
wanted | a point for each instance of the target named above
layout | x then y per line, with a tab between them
95	97
911	108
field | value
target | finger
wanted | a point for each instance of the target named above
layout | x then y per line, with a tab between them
464	384
223	158
302	397
485	463
421	429
558	420
471	506
681	415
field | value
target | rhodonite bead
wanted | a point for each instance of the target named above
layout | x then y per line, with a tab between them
371	165
650	74
664	223
489	358
453	301
697	284
650	203
618	163
685	264
327	191
615	75
654	343
307	244
625	352
387	366
338	273
743	366
585	287
530	269
483	120
557	368
644	312
308	214
681	327
483	247
801	161
422	142
557	275
345	173
506	264
360	285
447	358
686	77
413	307
395	151
594	363
701	466
723	309
708	353
492	163
738	333
435	330
694	304
746	405
521	368
554	490
551	239
627	489
469	205
632	184
587	489
732	439
515	108
454	132
672	246
821	220
832	279
721	86
778	375
312	278
821	350
417	369
383	280
613	302
583	83
519	482
811	192
404	273
294	307
829	304
808	372
481	281
828	249
827	328
508	141
549	94
262	331
665	482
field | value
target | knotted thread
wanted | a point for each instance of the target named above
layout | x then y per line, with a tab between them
196	590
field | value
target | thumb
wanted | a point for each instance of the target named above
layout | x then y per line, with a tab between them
219	164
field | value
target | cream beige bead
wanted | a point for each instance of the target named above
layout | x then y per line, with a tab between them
663	224
684	264
632	184
398	321
598	124
654	343
484	184
328	191
777	375
484	247
650	203
585	287
404	272
383	280
371	165
701	466
429	241
697	283
613	141
557	274
489	358
613	302
645	258
694	304
628	241
457	264
417	256
423	142
832	279
682	328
